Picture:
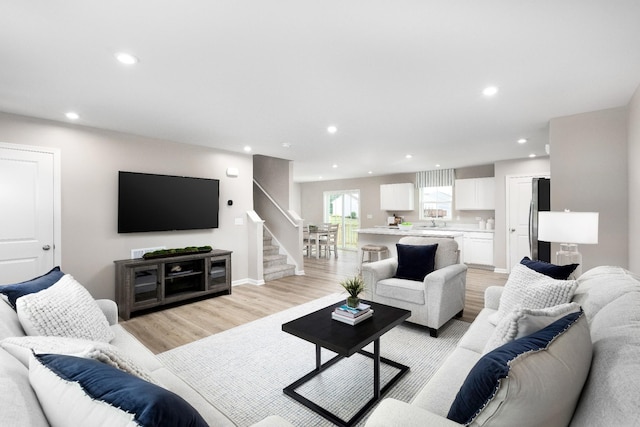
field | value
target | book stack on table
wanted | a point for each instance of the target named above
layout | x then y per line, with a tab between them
350	315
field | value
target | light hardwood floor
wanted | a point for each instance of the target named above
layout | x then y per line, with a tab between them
169	328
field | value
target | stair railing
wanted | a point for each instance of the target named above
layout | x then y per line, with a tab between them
285	226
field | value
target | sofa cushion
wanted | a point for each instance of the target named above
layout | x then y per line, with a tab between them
20	406
532	290
22	348
611	395
479	332
521	322
532	381
560	272
415	261
16	290
65	309
402	289
9	324
78	391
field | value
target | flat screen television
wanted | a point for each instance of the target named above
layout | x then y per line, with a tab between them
149	202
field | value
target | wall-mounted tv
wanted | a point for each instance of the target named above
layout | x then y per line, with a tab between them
149	202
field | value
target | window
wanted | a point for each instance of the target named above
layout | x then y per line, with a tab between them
435	202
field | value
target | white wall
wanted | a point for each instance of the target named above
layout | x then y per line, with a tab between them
634	182
91	160
589	173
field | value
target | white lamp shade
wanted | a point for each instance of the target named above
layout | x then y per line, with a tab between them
568	227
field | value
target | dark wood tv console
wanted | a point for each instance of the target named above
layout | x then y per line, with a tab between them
147	283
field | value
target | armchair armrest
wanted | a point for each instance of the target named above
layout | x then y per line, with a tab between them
110	310
373	272
392	412
445	274
492	297
445	291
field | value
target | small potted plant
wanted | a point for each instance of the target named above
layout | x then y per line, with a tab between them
353	286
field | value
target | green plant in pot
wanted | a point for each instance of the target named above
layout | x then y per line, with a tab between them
353	286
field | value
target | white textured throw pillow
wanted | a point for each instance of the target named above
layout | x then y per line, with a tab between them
521	322
533	290
22	347
66	309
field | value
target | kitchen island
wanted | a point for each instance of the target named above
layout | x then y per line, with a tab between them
389	236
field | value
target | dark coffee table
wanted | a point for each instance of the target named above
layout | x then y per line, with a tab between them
346	340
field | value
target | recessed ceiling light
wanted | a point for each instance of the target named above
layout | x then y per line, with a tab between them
408	156
334	166
438	165
490	91
320	177
370	172
532	155
247	148
72	115
332	129
286	145
126	58
522	140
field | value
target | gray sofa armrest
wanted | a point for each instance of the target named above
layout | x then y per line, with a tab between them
392	412
373	272
110	310
492	297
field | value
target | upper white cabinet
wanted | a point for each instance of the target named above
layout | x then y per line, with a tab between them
397	197
475	194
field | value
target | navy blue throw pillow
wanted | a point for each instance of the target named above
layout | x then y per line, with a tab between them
17	290
151	405
558	272
415	261
483	381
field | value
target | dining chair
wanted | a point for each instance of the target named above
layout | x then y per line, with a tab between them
329	241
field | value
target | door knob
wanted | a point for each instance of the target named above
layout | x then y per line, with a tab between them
46	247
513	230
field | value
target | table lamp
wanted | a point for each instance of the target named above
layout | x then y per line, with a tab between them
569	229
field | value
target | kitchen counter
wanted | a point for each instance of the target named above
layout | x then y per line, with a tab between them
394	231
389	236
465	228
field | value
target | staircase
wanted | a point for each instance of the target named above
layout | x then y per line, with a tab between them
274	265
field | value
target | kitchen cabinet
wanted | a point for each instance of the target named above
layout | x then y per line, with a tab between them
397	197
475	194
478	248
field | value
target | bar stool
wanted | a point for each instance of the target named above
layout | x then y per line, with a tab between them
373	249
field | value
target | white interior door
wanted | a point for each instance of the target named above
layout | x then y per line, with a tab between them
518	201
27	212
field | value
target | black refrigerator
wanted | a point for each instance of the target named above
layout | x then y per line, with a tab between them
540	201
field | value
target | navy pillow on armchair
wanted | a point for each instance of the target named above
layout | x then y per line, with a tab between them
415	261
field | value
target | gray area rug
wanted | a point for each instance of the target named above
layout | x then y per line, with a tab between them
243	370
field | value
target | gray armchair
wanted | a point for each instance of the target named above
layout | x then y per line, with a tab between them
435	300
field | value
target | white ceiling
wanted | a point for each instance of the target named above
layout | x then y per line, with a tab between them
396	77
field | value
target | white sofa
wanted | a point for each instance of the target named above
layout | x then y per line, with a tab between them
610	298
20	405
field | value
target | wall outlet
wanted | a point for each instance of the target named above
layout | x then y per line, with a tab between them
137	253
